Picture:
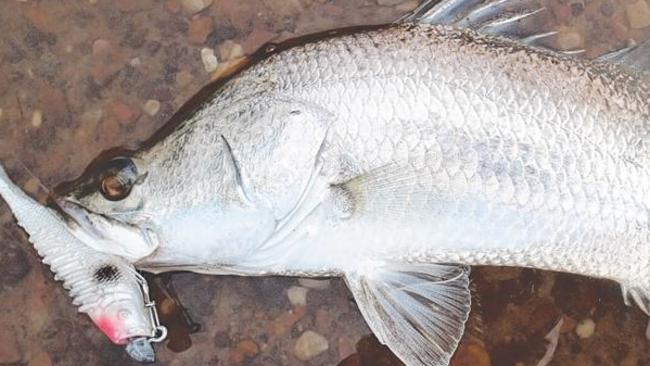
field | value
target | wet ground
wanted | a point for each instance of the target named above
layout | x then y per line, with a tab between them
78	77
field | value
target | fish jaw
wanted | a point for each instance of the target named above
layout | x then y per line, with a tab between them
104	286
108	235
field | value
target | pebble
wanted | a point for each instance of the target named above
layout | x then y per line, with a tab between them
32	185
173	6
471	353
570	40
314	284
585	328
151	107
40	359
9	349
230	50
243	350
309	345
101	48
407	6
638	14
37	118
0	113
209	59
124	112
195	6
297	295
200	28
183	78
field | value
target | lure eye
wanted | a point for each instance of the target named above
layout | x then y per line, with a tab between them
118	179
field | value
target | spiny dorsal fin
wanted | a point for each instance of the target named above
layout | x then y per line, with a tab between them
523	20
418	310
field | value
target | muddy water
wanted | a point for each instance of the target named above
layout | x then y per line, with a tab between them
78	77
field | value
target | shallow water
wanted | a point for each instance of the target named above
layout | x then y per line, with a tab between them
79	77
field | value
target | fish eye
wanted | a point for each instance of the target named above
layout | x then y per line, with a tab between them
117	179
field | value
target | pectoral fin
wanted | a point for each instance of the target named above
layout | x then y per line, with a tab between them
418	310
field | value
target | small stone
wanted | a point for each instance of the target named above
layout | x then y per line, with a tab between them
638	14
0	113
195	6
124	112
309	345
183	78
568	324
9	349
32	185
314	284
200	28
173	6
283	324
40	359
585	328
209	59
470	353
297	295
135	62
570	40
151	107
37	118
101	48
243	350
230	50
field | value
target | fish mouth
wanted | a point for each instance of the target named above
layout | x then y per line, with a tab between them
107	234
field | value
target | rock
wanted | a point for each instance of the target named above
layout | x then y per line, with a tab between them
37	118
243	350
124	112
297	295
568	324
470	353
585	328
173	6
9	349
570	39
183	78
638	14
101	48
283	324
151	107
209	59
309	345
195	6
40	359
314	284
200	28
323	320
0	113
230	50
32	185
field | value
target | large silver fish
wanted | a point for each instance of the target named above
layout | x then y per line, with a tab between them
396	157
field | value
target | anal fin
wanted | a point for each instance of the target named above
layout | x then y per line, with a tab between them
418	310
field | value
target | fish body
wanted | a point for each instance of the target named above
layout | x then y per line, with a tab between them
432	144
379	155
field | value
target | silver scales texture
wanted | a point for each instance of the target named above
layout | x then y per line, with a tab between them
506	155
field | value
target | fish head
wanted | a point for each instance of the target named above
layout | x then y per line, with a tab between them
105	207
131	205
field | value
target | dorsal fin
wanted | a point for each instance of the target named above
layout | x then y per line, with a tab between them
523	20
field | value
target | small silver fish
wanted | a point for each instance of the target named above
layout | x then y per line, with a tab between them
396	157
104	286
